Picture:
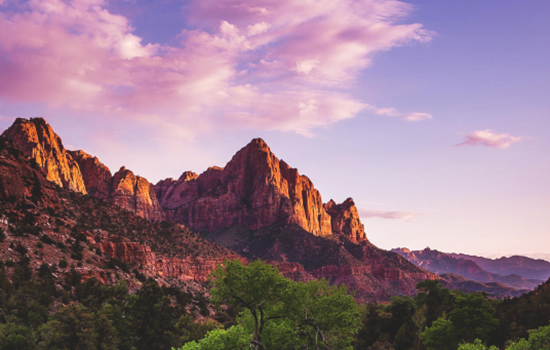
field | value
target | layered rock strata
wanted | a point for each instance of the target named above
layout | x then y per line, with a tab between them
37	140
136	194
345	220
81	172
255	189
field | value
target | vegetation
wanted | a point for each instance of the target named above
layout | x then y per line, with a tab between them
439	319
37	314
279	313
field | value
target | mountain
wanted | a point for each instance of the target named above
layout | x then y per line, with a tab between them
76	233
256	206
527	267
81	172
443	263
37	140
255	190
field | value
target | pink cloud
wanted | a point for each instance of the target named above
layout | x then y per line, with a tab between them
275	65
489	139
402	215
410	117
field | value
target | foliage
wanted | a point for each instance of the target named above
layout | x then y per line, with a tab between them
477	345
33	314
279	313
235	338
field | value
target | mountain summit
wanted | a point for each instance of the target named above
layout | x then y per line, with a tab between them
256	205
255	189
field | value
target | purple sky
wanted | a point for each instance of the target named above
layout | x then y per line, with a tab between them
432	115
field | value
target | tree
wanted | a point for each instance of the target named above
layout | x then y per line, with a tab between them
477	345
235	338
282	314
440	336
473	318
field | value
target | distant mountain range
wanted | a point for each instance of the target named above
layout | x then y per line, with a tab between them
518	272
256	206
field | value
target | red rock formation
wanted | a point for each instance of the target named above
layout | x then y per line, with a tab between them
135	194
345	220
174	193
81	172
188	269
97	176
255	190
35	137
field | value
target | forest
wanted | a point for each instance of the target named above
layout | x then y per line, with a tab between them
255	307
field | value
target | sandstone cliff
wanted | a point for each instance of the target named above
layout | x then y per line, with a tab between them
97	176
345	220
37	140
81	172
136	194
255	190
46	219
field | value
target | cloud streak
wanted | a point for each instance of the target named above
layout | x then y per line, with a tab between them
401	215
410	117
488	138
285	65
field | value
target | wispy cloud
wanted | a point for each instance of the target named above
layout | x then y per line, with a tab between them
488	138
410	117
276	65
403	215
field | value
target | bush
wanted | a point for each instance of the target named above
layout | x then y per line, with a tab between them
21	249
63	263
46	239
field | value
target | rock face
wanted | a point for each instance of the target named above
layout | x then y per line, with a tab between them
345	220
168	252
97	177
81	172
35	137
373	273
136	194
196	269
254	190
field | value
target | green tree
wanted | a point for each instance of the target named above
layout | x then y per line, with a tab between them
539	339
77	327
235	338
440	336
282	314
473	317
477	345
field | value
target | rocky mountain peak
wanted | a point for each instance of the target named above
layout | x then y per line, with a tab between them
345	220
188	176
36	138
96	175
136	194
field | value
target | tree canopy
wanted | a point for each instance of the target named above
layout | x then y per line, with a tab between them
279	313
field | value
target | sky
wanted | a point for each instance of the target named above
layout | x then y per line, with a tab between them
433	116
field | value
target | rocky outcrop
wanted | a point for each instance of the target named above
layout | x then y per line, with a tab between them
134	253
81	172
136	194
373	273
255	190
345	220
37	140
96	175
